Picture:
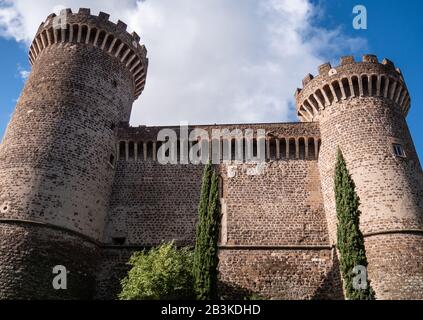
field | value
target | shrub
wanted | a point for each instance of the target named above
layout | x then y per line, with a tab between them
163	273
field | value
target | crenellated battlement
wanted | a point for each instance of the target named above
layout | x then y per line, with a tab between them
97	31
351	79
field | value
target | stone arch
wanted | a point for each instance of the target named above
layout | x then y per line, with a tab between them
44	39
272	149
319	96
346	85
355	85
150	150
283	149
75	33
292	145
50	36
66	33
337	89
114	46
302	148
374	82
100	39
82	37
93	35
131	150
311	148
107	41
392	87
365	82
328	93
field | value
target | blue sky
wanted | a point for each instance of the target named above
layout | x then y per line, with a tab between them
232	61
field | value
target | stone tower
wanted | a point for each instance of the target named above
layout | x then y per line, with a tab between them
362	107
58	154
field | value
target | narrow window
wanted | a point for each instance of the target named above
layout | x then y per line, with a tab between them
399	150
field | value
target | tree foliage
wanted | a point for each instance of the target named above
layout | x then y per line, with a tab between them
206	255
163	273
350	240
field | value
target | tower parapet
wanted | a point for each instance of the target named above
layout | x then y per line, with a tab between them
351	79
361	108
96	31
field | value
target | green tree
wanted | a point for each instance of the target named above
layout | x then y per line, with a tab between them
206	252
350	240
163	273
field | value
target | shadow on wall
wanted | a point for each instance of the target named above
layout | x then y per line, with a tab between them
331	287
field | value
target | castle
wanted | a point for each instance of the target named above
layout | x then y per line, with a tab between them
81	188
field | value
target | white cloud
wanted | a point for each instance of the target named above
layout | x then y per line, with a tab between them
211	61
23	74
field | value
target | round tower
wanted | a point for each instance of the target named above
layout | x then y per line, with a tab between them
362	107
57	156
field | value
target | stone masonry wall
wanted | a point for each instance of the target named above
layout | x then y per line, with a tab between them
153	203
28	254
274	239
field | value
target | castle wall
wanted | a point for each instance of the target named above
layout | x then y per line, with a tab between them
280	206
280	273
153	203
274	236
274	240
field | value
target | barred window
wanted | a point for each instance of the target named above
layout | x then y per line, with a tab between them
399	150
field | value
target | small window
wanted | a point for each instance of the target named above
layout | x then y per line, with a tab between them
399	150
120	241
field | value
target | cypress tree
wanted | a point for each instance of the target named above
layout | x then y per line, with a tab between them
205	256
211	259
350	240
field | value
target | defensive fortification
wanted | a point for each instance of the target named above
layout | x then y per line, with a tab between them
81	188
